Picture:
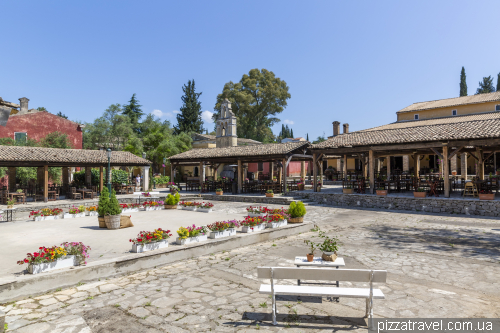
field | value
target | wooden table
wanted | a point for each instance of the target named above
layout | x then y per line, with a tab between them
83	193
51	195
16	194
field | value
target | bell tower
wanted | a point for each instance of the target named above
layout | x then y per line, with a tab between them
226	127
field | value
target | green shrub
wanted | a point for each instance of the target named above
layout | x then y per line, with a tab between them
108	205
171	200
177	198
297	209
119	176
162	180
103	202
114	205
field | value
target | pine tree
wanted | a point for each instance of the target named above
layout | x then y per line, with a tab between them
189	120
498	82
133	111
463	83
291	133
486	86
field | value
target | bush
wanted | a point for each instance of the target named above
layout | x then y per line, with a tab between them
119	176
103	202
297	209
162	180
108	205
171	200
114	205
79	177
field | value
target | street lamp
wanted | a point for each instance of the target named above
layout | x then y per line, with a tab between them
108	152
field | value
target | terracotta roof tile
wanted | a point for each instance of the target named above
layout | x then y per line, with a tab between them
442	103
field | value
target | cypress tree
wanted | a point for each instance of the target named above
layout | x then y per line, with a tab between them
291	133
189	120
307	137
498	82
463	83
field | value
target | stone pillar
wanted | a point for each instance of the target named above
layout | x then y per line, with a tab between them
339	164
201	171
371	170
65	177
240	172
315	173
303	170
271	171
39	177
446	174
11	172
45	183
463	166
88	176
453	162
145	178
406	163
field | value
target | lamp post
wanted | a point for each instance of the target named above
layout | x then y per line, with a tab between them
144	176
108	152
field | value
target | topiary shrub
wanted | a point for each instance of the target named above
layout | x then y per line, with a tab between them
171	200
177	198
297	209
103	202
113	207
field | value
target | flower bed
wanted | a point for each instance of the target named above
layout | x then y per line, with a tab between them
92	210
191	234
223	229
152	205
129	208
188	205
75	212
146	194
263	211
252	224
275	221
150	240
46	214
205	207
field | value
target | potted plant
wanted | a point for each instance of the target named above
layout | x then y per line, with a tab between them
223	229
103	202
318	187
275	179
205	207
486	195
111	211
252	224
257	211
55	257
129	208
74	212
275	221
348	190
150	240
19	191
10	204
92	211
312	247
419	193
152	205
172	201
329	246
189	205
300	185
297	211
46	214
174	189
269	193
191	234
381	191
219	191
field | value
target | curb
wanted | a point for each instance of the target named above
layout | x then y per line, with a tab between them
2	320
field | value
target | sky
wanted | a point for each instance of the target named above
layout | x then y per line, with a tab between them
356	62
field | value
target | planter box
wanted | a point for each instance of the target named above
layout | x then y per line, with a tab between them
219	193
139	248
221	234
419	194
170	206
487	196
193	209
65	262
72	216
276	224
256	214
204	210
381	192
301	187
190	240
296	219
92	214
130	210
269	195
153	208
348	190
258	227
51	217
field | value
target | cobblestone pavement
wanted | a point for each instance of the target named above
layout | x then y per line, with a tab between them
438	266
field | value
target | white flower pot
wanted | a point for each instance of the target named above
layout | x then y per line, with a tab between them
64	262
92	214
221	234
256	215
139	248
130	210
193	209
72	216
256	228
276	224
190	240
204	210
50	217
153	208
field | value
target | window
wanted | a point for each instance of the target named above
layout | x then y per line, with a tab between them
453	112
497	108
416	117
20	137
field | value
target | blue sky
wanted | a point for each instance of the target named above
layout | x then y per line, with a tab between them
352	61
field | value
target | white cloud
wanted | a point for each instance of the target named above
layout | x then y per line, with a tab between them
157	113
288	122
176	112
207	116
161	114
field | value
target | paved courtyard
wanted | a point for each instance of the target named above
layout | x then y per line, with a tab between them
438	266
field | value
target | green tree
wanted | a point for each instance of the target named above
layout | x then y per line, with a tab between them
256	100
62	115
463	83
486	86
56	140
189	120
319	139
41	108
307	137
291	133
133	111
498	82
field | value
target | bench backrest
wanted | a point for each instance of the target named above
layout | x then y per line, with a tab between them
293	273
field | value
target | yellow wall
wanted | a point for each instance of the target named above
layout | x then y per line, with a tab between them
446	112
203	145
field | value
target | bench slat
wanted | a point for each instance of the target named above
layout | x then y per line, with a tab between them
321	291
352	275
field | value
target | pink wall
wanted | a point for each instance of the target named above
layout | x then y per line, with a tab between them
293	168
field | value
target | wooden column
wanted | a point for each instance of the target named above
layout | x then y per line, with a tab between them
240	173
463	166
365	166
344	168
11	171
388	158
65	177
371	171
271	171
320	166
45	183
416	165
88	176
303	170
200	175
315	173
172	174
101	178
480	163
284	174
446	172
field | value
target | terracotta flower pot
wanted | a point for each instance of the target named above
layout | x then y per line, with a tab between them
381	192
269	195
296	219
301	187
485	196
310	257
170	206
419	194
348	191
219	193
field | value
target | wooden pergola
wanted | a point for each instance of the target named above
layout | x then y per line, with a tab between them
43	158
280	153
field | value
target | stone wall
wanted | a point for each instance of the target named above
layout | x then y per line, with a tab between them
430	204
254	199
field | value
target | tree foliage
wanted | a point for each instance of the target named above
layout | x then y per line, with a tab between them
498	82
62	115
189	118
486	86
463	83
320	139
256	100
285	133
133	111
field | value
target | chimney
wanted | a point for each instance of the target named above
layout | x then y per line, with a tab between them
346	128
24	104
336	128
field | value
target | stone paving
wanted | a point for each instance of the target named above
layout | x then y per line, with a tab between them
438	266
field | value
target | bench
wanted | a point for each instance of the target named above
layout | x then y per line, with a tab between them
351	275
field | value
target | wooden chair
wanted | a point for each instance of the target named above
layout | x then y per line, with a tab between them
94	191
470	189
73	194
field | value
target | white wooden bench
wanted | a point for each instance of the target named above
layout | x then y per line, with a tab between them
351	275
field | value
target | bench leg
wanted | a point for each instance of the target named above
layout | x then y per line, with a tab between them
274	311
